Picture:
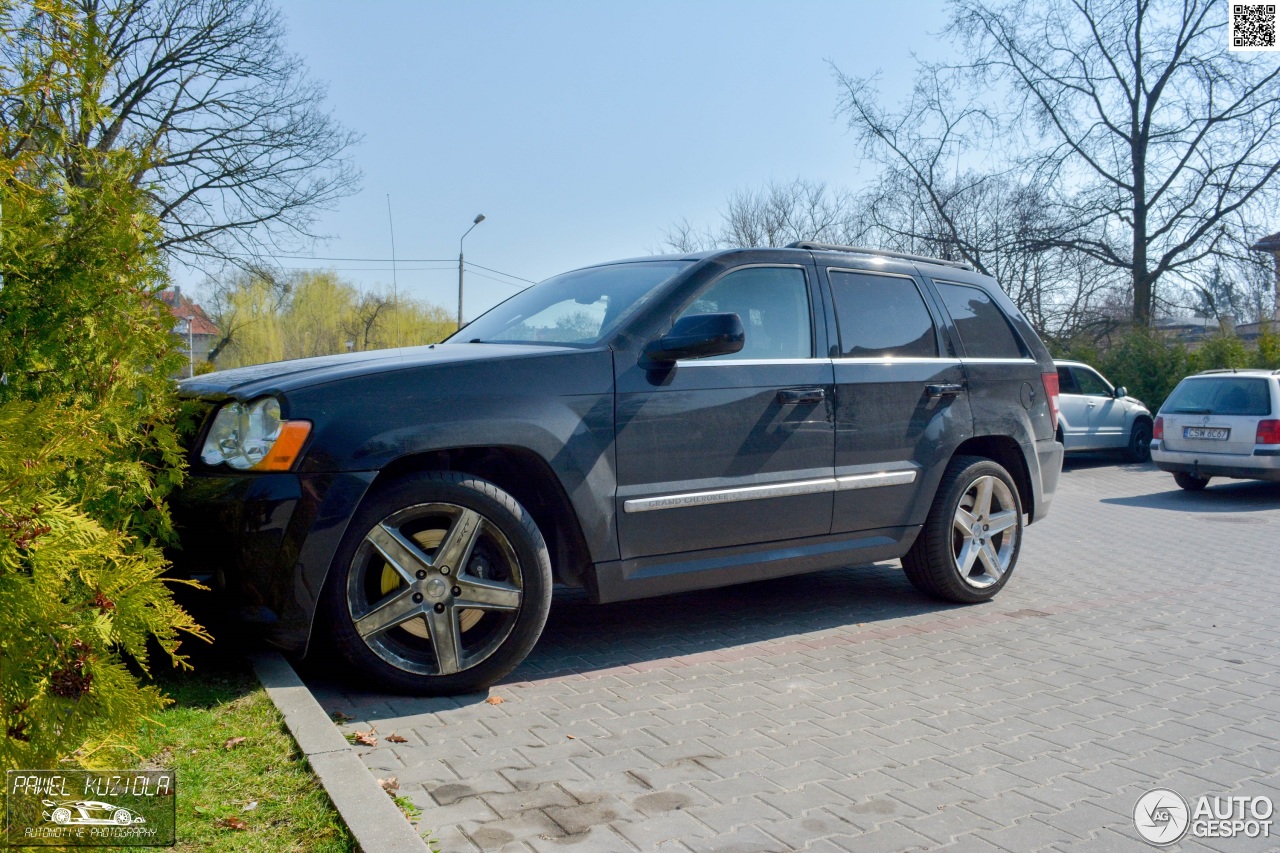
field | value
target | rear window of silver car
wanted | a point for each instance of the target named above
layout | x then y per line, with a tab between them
1220	395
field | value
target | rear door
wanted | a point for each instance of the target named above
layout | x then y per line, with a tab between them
735	449
1073	409
901	404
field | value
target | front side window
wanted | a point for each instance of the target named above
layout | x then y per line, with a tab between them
881	316
578	308
1091	383
773	304
983	329
1227	395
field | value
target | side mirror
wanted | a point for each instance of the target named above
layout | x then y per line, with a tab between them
1122	392
699	336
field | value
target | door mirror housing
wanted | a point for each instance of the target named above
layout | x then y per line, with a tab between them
1122	392
699	336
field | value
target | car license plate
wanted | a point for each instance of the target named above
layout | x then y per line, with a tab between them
1211	433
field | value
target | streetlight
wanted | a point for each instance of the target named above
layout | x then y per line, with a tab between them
479	218
191	346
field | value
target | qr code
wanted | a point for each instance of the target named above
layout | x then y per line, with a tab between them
1253	26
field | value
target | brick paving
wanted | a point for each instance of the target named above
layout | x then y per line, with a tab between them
1136	647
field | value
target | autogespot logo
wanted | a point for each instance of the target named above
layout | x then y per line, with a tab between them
1161	816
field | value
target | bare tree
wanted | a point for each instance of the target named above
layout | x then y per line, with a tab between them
1154	136
239	153
773	215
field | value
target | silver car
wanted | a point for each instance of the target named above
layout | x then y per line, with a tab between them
1220	423
1095	415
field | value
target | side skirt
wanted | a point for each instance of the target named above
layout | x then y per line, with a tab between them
643	577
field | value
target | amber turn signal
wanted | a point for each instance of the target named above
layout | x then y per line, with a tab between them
287	446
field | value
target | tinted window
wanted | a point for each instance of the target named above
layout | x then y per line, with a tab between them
984	331
579	307
1067	381
1226	395
1091	383
773	304
881	315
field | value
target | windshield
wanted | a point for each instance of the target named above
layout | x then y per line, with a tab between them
1226	395
578	308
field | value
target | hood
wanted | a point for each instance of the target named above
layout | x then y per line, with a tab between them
1136	402
245	383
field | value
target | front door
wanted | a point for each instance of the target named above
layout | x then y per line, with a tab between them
1106	413
735	449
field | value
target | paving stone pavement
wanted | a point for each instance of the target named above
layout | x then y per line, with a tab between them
1135	647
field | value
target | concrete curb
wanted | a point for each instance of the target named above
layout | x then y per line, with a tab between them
369	813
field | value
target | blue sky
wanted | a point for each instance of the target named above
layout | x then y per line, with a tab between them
581	130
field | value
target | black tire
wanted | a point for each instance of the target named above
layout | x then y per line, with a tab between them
932	564
404	657
1139	449
1190	483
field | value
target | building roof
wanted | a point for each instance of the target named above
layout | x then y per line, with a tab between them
1268	244
183	307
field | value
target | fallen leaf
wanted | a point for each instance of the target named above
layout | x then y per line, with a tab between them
233	742
495	700
339	717
232	823
368	738
395	738
390	785
250	806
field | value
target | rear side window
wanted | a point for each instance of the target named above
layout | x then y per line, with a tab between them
1226	395
881	316
983	329
1067	381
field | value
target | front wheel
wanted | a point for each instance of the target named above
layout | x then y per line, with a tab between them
1190	483
1139	449
970	541
442	585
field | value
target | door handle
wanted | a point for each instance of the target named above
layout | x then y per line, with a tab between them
804	395
949	390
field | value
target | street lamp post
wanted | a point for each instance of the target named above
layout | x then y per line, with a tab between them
191	346
479	218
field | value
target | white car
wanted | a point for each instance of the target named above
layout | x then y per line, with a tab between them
1095	415
1220	423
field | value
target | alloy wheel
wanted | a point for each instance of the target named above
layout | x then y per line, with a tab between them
434	589
985	532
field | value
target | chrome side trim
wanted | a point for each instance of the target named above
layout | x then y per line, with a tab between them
773	490
871	481
724	496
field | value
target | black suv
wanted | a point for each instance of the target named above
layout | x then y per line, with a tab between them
639	428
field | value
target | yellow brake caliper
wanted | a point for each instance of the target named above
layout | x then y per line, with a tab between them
428	541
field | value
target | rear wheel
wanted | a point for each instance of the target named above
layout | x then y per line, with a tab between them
442	585
970	541
1190	483
1139	449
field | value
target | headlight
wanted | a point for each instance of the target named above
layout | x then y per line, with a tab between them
251	436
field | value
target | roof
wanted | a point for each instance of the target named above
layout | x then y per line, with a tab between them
1270	243
182	308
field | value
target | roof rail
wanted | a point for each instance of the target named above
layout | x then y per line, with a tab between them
884	253
1218	370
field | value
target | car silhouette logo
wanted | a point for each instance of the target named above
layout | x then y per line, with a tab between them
89	813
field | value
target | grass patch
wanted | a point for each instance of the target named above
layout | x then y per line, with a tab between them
217	783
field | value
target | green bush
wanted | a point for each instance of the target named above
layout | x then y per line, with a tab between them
87	446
